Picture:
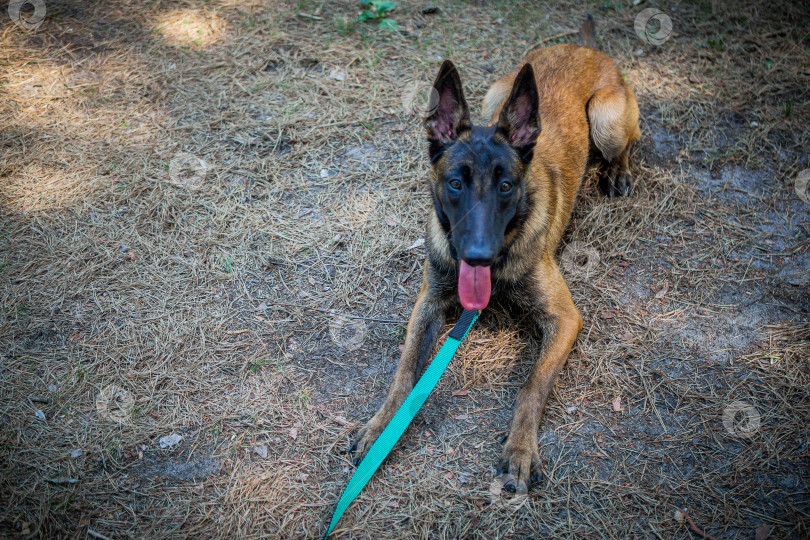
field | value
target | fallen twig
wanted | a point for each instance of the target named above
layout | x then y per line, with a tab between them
334	312
98	535
308	16
695	529
550	38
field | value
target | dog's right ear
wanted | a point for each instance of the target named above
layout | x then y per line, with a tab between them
448	115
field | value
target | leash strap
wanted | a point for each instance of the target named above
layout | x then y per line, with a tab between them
403	417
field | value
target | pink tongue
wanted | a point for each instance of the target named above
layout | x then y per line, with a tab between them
474	286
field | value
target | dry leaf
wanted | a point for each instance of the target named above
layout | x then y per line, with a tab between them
660	294
617	404
416	244
391	221
294	433
131	255
449	476
762	532
170	440
459	393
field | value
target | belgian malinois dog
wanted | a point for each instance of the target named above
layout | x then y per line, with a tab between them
502	196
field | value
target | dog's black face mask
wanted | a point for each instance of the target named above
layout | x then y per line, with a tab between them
478	187
478	193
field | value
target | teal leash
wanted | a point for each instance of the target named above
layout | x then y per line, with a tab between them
403	417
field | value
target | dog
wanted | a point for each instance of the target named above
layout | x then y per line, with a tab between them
502	196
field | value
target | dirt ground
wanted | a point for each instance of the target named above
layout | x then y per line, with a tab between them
211	218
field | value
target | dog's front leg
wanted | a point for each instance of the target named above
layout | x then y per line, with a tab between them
559	322
426	322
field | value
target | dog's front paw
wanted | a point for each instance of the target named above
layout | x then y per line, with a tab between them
519	466
365	438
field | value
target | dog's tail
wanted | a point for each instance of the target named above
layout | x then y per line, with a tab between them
587	33
496	94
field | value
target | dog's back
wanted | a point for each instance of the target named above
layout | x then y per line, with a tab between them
584	103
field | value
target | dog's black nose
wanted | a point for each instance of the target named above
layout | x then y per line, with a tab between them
479	256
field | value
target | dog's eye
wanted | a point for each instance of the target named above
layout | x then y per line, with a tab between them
455	183
506	187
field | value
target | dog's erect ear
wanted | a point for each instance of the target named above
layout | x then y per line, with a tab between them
519	121
448	115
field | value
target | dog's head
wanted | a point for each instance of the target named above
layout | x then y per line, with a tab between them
478	175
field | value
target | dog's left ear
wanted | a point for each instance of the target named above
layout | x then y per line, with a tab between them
449	114
520	121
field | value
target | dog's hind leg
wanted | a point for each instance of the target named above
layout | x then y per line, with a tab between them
425	325
613	117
